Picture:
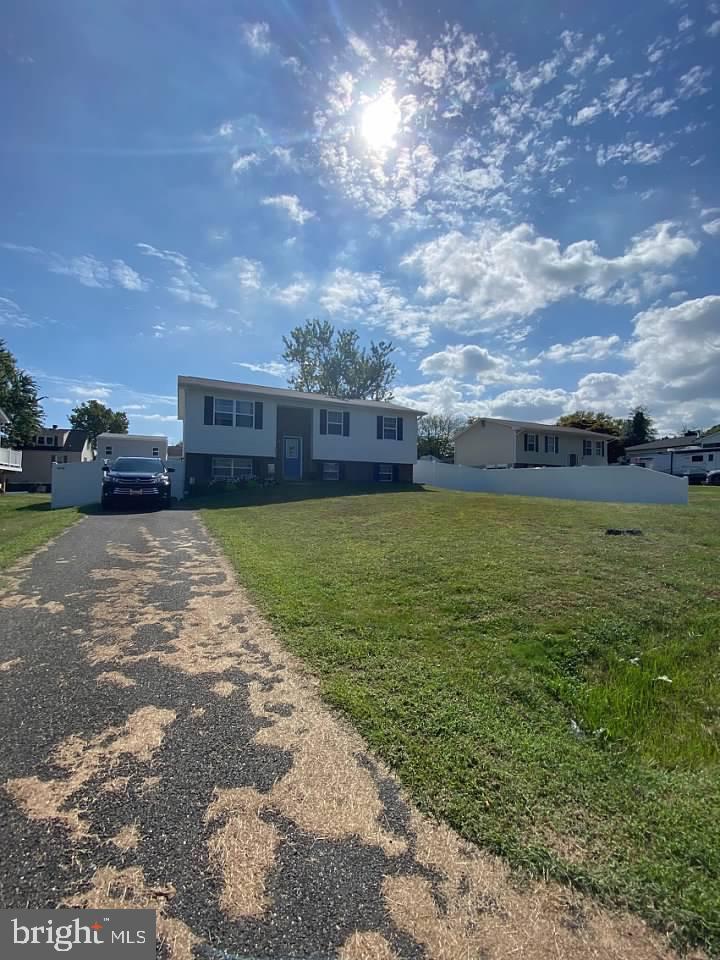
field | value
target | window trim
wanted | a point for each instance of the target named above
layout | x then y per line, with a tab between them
552	439
235	473
599	448
328	474
531	442
338	423
587	447
108	450
385	468
156	451
393	428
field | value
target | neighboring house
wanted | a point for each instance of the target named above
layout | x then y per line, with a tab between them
10	460
680	456
110	446
491	442
241	430
175	450
52	445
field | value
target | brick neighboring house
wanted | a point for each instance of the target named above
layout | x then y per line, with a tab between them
234	431
51	445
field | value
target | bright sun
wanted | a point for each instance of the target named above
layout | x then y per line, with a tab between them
380	122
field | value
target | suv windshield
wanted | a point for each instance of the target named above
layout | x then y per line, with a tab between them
138	465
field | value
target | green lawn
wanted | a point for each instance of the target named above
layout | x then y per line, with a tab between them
507	657
26	522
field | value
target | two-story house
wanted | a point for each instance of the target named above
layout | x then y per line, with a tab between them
51	445
242	430
491	442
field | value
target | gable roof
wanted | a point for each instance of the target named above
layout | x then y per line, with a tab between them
75	441
279	393
540	427
130	436
665	444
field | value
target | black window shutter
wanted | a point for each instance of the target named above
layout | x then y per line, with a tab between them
323	421
399	428
346	424
209	410
396	473
376	467
525	436
341	471
258	414
379	428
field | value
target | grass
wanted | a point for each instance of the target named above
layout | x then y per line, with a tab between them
507	658
26	522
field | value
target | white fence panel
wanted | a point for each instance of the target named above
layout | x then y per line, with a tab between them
79	484
177	479
76	484
619	484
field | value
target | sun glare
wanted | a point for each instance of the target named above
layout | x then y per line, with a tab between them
380	122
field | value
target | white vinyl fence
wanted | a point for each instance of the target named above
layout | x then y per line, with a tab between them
79	484
615	483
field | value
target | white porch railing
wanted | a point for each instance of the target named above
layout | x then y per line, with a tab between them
10	459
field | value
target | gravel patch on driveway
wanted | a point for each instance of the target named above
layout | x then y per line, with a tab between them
161	749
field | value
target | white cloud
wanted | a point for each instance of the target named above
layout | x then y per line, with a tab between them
249	273
257	37
493	276
582	349
633	152
12	316
587	114
157	417
291	294
134	406
92	392
692	83
244	161
684	23
184	285
471	361
290	204
365	298
274	368
712	227
714	29
604	62
87	269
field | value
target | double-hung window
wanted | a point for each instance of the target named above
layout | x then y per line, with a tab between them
331	471
532	443
390	429
41	441
385	472
234	413
599	448
552	443
224	410
156	451
108	451
232	468
587	448
335	423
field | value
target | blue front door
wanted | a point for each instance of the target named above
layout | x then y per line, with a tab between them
292	458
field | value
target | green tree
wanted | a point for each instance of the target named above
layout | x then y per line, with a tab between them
715	429
330	362
599	422
436	435
638	428
19	400
96	418
595	420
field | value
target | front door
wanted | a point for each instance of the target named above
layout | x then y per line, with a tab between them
292	458
573	459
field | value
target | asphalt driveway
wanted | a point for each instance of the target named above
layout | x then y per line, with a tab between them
159	748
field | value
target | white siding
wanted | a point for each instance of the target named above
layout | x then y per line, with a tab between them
483	445
131	446
228	441
363	446
568	444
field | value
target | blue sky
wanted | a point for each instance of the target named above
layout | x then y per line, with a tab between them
524	197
